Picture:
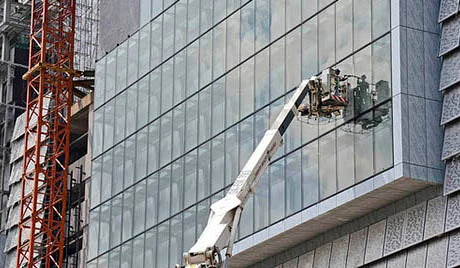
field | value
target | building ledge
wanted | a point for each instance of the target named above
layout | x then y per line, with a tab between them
358	200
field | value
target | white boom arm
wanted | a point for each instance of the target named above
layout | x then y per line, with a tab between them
224	218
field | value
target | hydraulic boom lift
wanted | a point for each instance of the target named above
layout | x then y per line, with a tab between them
224	218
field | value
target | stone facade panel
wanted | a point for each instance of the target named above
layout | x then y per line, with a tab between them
375	239
394	230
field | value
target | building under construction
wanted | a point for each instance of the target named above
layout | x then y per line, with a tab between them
171	98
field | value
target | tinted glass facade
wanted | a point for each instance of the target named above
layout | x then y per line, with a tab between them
181	105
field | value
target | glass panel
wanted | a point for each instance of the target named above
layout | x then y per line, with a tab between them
179	77
109	122
193	18
177	186
127	254
277	72
204	170
103	261
262	23
293	61
154	146
115	220
150	248
344	28
364	151
261	209
106	175
166	139
100	74
139	207
219	48
168	33
120	113
152	200
118	168
247	88
310	180
233	40
130	158
310	48
277	22
326	37
191	122
220	10
294	9
190	172
293	182
181	25
143	102
246	140
144	50
175	245
218	164
309	7
232	5
110	75
131	112
380	17
164	198
98	137
247	30
122	63
362	64
327	165
104	229
218	106
145	9
362	22
231	155
93	232
178	131
204	110
383	138
96	178
381	68
202	215
138	252
205	59
206	15
262	79
232	96
157	7
277	190
163	245
345	157
128	209
156	29
167	83
155	94
192	67
246	226
275	109
189	227
133	58
114	257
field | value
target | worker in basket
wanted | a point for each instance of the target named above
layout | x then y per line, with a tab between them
336	79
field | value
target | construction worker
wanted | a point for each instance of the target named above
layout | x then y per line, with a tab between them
336	79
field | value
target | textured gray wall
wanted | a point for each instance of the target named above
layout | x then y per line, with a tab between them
118	19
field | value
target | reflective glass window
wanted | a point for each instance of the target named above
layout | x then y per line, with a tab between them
232	94
189	227
114	258
181	25
309	7
96	177
104	228
150	248
205	59
127	254
168	33
100	74
131	112
293	182
145	9
310	173
204	111
362	22
380	17
166	139
327	165
261	201
110	75
164	193
277	18
204	170
143	101
175	240
144	50
231	155
191	122
326	37
383	138
109	122
190	172
363	66
310	48
247	30
293	60
154	146
93	232
138	252
262	79
152	200
163	245
156	29
202	215
130	158
323	3
345	157
193	18
232	5
178	131
155	94
139	206
233	40
220	10
179	76
344	28
364	148
277	190
247	88
107	164
277	71
206	15
128	211
218	164
218	106
246	140
219	48
116	206
120	113
192	67
122	63
381	68
246	226
103	261
167	82
157	7
262	24
177	186
98	137
294	13
133	58
118	168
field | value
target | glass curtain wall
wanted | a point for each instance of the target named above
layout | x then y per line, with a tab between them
181	105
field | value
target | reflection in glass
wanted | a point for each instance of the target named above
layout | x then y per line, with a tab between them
277	190
175	238
163	245
218	106
168	33
115	220
144	50
345	157
165	193
138	252
262	24
218	164
247	88
127	254
154	146
277	18
327	165
131	113
143	102
181	25
93	232
204	110
204	170
310	48
310	179
155	49
155	94
232	96
362	22
139	207
152	200
104	228
150	248
293	182
133	58
120	113
326	37
130	158
205	59
277	71
247	30
262	79
96	178
122	62
109	122
106	175
190	172
177	186
165	139
219	48
128	209
167	81
233	40
293	61
141	153
344	26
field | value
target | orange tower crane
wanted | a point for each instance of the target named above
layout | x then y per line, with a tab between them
47	134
